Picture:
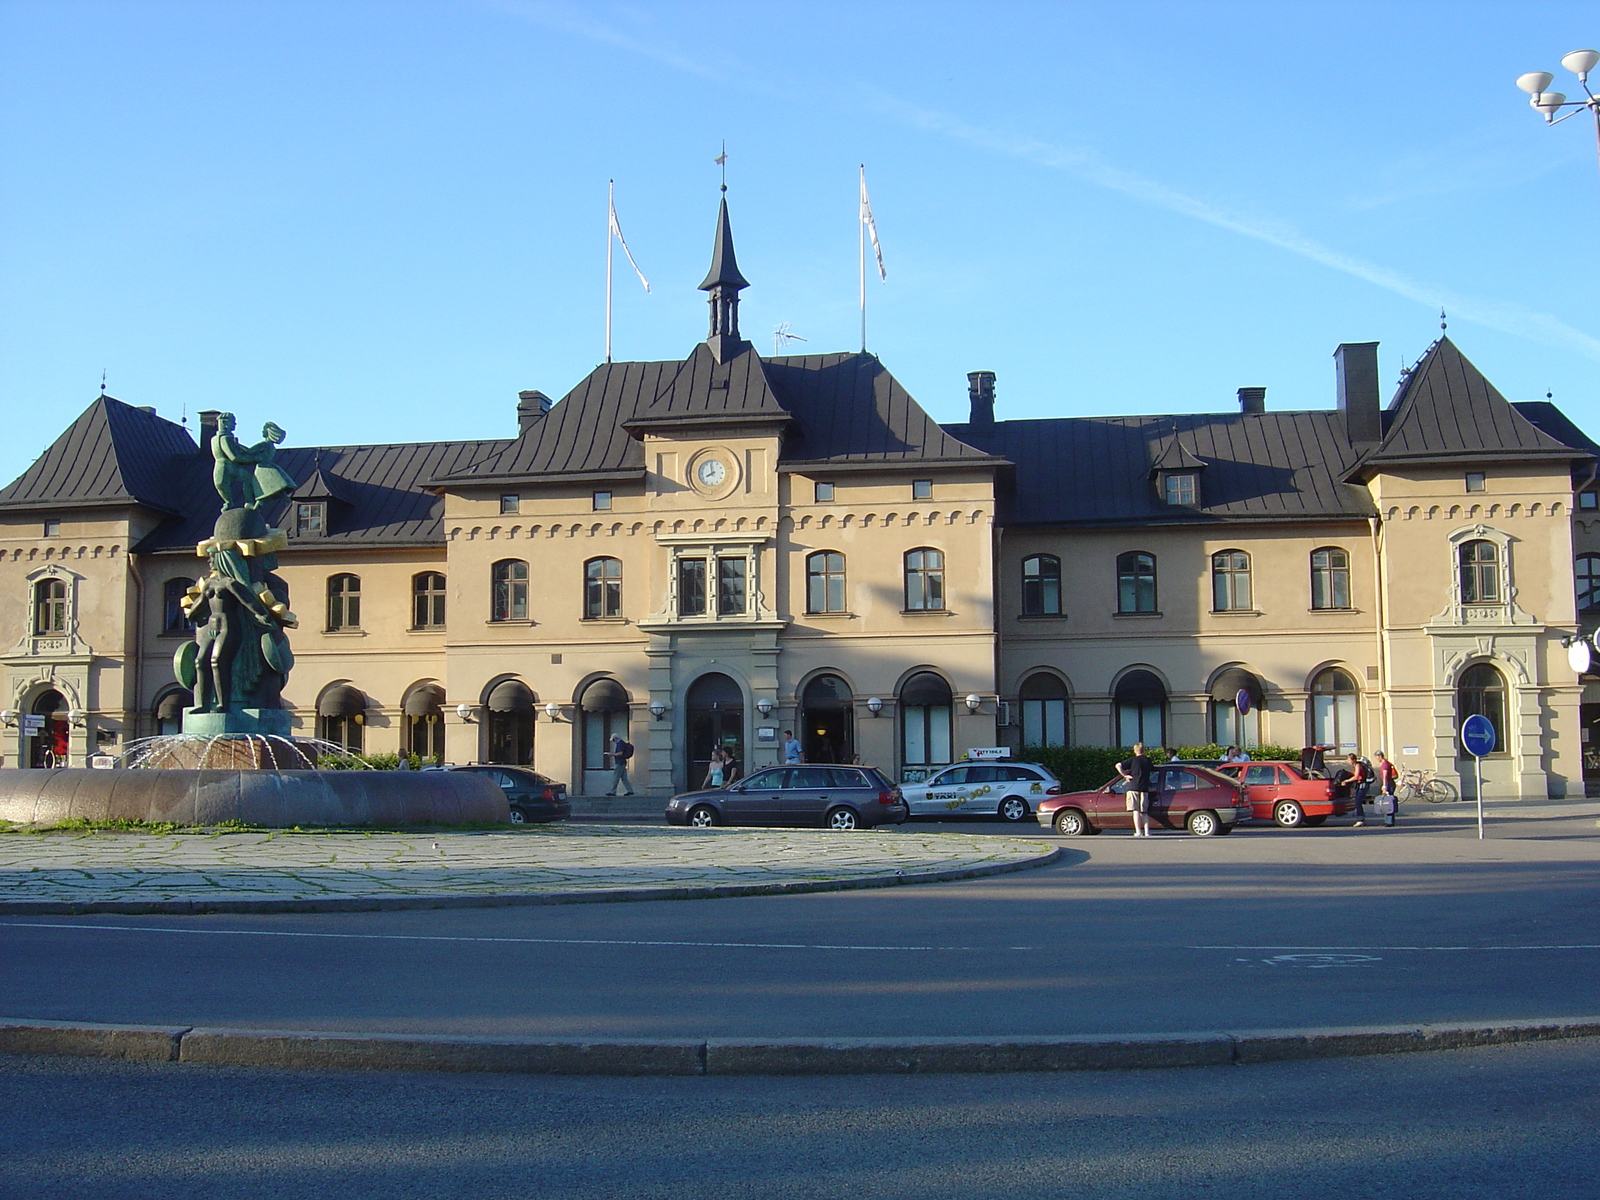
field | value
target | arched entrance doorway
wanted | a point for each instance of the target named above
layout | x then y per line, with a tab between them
424	722
716	718
604	708
508	724
50	745
828	721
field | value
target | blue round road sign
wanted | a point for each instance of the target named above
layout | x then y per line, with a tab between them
1477	735
1242	702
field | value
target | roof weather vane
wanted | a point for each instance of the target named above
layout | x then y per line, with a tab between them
102	381
722	161
1442	325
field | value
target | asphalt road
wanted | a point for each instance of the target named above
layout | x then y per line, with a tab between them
1263	929
1498	1123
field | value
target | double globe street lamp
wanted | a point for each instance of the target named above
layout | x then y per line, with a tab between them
1535	83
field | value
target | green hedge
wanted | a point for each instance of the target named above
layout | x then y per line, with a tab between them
375	762
1080	768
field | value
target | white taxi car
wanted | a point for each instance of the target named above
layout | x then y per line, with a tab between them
1009	790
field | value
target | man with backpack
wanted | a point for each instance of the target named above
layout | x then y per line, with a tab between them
619	754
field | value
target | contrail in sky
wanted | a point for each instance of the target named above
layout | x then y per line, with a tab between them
1087	166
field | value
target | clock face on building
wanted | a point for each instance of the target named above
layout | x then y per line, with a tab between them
711	473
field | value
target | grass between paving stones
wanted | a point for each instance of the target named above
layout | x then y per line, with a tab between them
129	825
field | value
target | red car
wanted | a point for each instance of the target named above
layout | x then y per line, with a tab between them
1283	793
1183	796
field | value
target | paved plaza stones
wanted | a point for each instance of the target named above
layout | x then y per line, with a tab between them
88	871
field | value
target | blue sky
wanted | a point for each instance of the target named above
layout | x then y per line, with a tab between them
379	221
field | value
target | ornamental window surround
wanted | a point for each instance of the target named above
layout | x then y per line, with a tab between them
713	579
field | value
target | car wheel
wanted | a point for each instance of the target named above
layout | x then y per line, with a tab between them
1313	822
1204	823
1288	814
842	818
517	817
1072	823
703	816
1013	808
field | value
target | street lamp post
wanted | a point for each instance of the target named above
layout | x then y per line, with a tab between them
1580	63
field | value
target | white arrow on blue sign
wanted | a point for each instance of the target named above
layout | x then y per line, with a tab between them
1477	735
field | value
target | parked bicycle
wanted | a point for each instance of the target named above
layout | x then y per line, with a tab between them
1419	783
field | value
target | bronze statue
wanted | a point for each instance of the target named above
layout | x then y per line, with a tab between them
246	476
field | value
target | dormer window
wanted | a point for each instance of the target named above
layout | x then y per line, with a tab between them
310	519
1179	488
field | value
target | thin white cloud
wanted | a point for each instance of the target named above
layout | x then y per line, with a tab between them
1085	165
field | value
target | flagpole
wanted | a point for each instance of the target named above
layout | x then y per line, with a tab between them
611	211
861	238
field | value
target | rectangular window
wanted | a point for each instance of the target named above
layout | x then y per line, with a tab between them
309	519
1588	500
52	527
510	503
730	587
1140	723
691	587
1180	489
602	501
1475	481
1044	722
922	489
824	493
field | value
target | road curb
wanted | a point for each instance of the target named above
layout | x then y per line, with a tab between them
323	1050
41	908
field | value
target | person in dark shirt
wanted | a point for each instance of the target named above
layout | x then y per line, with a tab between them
1137	771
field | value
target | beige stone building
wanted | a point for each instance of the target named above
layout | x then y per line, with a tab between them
715	550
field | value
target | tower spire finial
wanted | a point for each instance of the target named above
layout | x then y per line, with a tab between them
724	283
722	161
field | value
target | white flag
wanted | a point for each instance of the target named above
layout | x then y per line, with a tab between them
616	232
872	226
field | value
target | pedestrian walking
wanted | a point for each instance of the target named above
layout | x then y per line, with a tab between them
1358	778
791	748
1137	771
716	774
619	754
1388	776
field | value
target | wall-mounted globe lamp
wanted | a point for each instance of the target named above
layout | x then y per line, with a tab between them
874	706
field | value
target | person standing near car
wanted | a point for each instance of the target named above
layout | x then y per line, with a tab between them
1388	776
1137	771
619	754
1358	778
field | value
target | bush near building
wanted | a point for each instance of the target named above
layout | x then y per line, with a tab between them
1082	768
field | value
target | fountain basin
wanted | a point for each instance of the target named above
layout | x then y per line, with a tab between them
276	799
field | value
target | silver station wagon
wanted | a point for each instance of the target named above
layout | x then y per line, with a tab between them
834	797
1009	790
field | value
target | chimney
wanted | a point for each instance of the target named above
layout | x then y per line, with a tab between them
147	408
980	390
1357	366
1252	400
531	406
208	428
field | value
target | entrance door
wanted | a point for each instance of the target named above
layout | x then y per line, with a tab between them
1589	720
50	745
716	718
827	718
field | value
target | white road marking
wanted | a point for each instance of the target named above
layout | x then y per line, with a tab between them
418	937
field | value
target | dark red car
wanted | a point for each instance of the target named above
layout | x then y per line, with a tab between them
1183	796
1283	793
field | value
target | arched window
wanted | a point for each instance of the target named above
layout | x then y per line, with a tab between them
1236	722
1482	692
424	722
924	580
1335	704
925	704
169	710
427	600
341	715
50	606
1044	710
1479	562
173	618
1588	576
1136	582
1230	581
510	591
602	588
1141	706
1330	578
1041	586
508	722
825	582
344	602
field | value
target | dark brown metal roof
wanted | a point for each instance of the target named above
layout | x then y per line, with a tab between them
112	454
1446	410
